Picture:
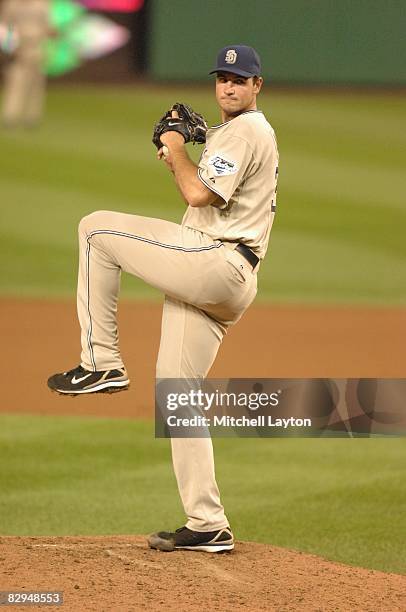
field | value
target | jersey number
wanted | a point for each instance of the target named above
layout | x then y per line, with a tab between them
273	203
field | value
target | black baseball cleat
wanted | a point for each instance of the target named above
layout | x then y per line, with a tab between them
79	381
186	539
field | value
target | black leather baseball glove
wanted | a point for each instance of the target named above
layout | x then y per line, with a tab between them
190	124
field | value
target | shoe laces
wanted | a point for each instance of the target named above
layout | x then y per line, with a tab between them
74	371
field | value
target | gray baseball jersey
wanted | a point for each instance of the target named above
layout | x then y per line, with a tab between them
240	164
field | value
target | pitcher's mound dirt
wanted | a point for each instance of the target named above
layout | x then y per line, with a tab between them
121	573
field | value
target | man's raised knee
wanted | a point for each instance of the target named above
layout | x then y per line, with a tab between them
93	221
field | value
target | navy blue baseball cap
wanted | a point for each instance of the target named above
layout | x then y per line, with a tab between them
238	59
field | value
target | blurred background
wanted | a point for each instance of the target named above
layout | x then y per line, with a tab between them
334	92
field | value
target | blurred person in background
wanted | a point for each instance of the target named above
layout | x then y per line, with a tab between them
28	21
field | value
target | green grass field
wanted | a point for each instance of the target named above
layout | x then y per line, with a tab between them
342	499
339	232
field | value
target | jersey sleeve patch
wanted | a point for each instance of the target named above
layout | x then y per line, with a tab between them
221	165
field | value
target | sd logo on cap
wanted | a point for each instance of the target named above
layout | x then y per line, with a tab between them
238	59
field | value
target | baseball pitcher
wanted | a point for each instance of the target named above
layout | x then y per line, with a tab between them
206	266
